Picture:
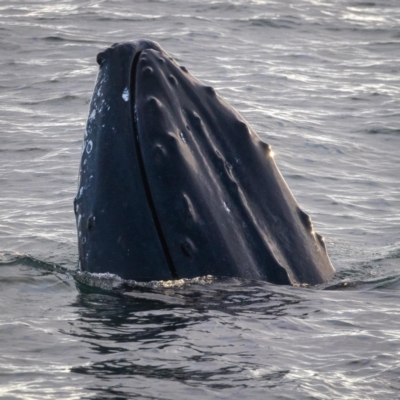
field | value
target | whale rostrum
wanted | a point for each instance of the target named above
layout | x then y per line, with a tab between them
174	183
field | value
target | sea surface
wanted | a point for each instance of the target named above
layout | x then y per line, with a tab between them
319	81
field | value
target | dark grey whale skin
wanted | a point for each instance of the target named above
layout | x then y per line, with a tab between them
175	184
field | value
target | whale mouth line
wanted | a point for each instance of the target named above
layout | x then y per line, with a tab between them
143	173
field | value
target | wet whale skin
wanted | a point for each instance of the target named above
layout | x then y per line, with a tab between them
174	183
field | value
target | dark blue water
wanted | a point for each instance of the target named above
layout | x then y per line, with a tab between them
320	82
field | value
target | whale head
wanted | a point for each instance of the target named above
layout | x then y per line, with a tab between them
174	183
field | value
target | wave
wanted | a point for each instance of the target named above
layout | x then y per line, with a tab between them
383	131
387	282
8	259
269	23
378	273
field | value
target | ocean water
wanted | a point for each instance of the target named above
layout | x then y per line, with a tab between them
317	80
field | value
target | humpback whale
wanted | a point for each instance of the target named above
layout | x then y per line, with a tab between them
174	183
